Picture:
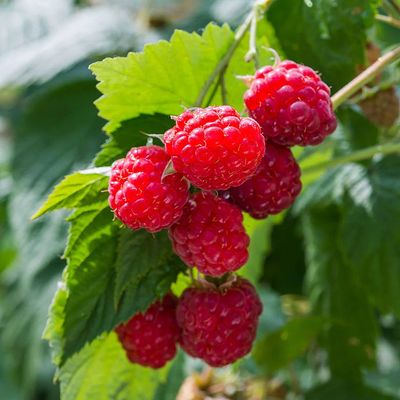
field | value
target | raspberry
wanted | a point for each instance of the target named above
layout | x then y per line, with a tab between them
139	196
383	108
214	147
274	186
292	104
210	235
150	338
219	325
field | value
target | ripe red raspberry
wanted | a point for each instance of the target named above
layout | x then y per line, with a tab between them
219	325
292	104
210	235
274	186
139	196
150	338
214	147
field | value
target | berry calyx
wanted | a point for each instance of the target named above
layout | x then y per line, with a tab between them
214	147
219	324
292	104
150	338
138	194
210	235
273	188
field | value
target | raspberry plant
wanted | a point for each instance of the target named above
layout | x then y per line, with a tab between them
122	263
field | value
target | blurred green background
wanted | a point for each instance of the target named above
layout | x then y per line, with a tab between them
49	127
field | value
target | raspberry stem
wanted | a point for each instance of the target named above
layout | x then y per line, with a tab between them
388	20
359	155
365	77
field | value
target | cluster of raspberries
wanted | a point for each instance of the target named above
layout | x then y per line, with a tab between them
215	165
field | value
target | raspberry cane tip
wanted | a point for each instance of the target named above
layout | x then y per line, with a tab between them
138	194
214	147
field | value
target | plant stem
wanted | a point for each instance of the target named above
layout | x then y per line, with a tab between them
252	53
388	20
365	77
221	66
260	5
359	155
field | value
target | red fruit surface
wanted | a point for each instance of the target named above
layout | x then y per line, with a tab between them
139	196
219	325
210	235
150	338
274	187
292	104
214	147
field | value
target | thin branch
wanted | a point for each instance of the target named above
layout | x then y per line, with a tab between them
359	155
225	60
251	55
388	20
224	94
260	5
365	77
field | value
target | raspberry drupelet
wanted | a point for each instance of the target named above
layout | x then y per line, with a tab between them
138	194
273	188
150	338
214	147
292	104
219	324
210	235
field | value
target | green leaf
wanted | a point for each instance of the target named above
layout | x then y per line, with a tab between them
336	293
102	371
259	232
111	274
345	390
278	349
176	375
369	232
328	35
165	77
138	253
74	190
284	270
90	267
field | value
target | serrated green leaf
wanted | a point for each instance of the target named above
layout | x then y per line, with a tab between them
336	293
90	268
132	133
138	253
284	270
163	78
102	371
369	232
327	35
278	349
54	331
74	190
107	278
